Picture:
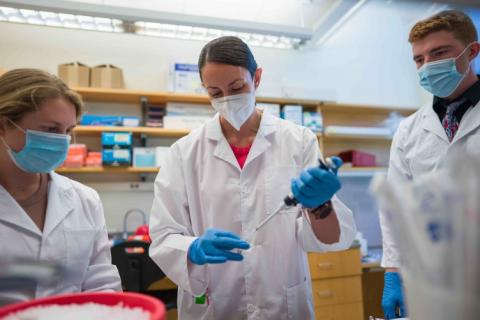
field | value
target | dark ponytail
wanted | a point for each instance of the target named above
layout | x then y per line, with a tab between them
228	50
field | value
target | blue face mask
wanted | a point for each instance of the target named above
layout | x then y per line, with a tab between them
441	78
42	153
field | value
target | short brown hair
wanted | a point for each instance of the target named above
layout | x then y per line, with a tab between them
24	90
453	21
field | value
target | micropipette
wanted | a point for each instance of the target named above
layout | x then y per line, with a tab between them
290	200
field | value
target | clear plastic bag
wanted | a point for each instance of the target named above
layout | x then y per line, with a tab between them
436	225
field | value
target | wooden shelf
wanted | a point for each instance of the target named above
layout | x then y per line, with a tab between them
361	169
336	136
363	109
156	132
360	172
108	170
135	96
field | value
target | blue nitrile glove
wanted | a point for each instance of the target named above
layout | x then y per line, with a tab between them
393	296
315	186
214	247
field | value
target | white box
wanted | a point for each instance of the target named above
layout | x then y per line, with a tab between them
184	122
361	131
270	108
144	157
189	109
293	113
184	77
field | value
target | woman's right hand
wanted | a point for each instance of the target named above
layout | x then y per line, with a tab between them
214	247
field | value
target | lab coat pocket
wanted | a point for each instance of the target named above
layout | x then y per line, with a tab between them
79	244
299	301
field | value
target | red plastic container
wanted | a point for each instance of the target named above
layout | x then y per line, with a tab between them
358	158
149	304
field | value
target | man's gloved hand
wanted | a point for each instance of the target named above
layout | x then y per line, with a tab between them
214	247
393	296
315	186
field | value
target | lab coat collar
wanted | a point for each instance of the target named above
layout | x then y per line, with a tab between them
431	122
470	122
223	151
12	213
268	125
60	202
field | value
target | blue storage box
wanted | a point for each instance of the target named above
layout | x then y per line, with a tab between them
143	157
120	139
109	120
116	157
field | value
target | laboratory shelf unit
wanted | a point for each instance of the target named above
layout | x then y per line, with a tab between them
333	114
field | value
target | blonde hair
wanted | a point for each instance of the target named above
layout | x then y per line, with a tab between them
24	90
453	21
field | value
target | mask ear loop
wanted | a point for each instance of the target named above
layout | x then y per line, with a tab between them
16	125
74	137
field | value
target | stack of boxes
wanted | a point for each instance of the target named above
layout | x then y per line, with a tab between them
77	153
116	148
78	156
76	74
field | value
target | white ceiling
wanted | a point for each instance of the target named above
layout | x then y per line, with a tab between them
298	13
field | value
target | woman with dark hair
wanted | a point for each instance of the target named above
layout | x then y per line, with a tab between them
219	182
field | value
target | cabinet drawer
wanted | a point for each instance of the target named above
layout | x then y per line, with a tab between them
352	311
337	291
335	264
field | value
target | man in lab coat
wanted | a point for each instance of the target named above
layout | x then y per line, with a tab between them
444	47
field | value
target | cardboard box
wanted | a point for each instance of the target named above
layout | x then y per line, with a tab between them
107	76
74	74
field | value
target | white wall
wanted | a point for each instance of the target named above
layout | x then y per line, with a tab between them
367	61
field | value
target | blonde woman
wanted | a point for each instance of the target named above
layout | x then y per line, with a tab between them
45	216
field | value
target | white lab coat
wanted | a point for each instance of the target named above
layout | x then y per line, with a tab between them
421	146
200	186
74	235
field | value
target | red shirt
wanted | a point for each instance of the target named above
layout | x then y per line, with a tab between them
241	154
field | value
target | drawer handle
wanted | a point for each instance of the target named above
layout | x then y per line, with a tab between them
325	294
325	265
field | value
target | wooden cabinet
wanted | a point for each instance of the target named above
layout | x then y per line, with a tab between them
337	284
